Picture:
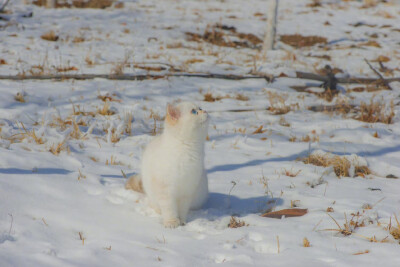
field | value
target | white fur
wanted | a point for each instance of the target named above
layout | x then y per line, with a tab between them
172	170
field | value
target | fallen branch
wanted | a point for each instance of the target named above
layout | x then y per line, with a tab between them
316	77
132	77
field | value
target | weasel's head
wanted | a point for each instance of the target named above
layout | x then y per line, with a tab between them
187	120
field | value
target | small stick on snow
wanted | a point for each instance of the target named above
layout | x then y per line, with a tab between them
12	220
45	223
380	75
373	206
277	239
4	6
315	227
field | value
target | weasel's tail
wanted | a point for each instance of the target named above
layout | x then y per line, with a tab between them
135	183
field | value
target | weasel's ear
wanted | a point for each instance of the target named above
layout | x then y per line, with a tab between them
173	114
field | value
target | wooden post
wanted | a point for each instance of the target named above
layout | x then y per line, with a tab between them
51	3
269	38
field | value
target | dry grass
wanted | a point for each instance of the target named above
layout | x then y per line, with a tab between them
340	164
290	173
105	110
89	61
78	39
297	40
361	252
241	97
395	231
108	97
76	110
259	130
31	134
118	68
236	223
221	35
350	226
128	122
194	60
20	97
76	132
50	36
208	97
113	161
82	238
81	176
306	243
66	68
56	149
77	3
362	171
278	104
283	122
376	111
313	138
115	135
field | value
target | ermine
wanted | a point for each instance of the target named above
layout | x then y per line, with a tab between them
172	168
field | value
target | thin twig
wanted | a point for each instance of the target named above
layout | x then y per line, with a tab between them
12	220
378	202
45	223
277	239
335	221
4	6
380	75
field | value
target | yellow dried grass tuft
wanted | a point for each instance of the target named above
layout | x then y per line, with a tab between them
395	231
20	97
236	223
306	243
56	149
105	110
376	111
340	164
50	36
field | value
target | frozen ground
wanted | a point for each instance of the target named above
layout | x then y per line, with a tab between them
64	152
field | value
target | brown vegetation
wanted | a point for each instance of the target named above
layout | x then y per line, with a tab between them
297	40
236	223
376	111
77	3
221	35
50	36
340	164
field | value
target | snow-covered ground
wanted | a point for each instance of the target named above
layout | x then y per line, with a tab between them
64	153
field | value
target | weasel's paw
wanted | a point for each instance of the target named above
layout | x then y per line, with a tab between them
172	223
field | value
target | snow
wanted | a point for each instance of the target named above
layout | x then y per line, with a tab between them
49	202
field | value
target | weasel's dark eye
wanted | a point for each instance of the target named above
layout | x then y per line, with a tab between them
194	111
